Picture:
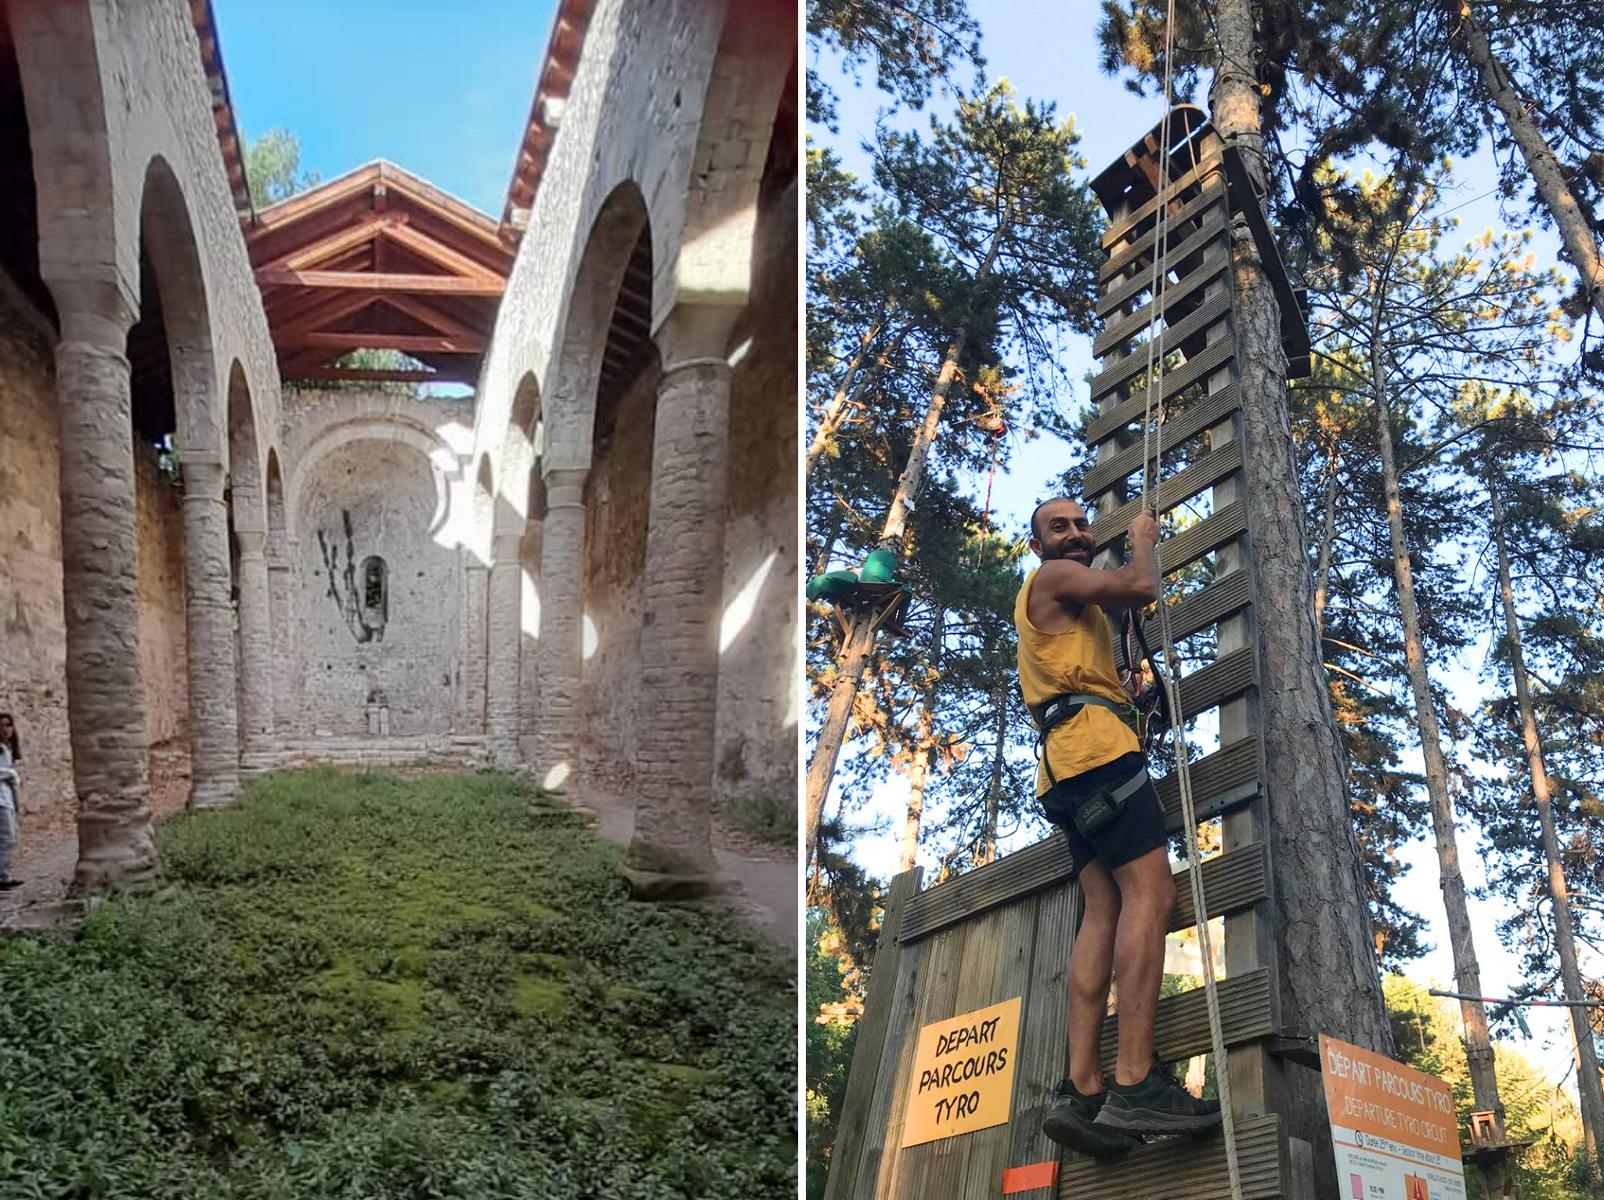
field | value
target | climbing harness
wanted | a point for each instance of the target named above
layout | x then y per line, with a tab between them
1151	467
1059	709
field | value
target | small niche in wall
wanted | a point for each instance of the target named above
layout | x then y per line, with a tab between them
375	595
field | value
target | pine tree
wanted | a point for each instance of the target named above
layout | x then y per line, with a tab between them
995	189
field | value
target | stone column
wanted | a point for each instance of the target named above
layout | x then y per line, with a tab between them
255	642
280	582
562	552
472	703
681	602
213	719
105	693
503	635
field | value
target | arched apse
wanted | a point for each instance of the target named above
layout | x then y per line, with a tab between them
177	403
609	310
442	459
372	618
253	638
520	485
617	499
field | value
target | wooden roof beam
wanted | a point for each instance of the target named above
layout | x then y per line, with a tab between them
428	314
358	340
438	253
335	243
488	285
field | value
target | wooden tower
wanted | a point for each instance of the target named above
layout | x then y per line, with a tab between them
1005	930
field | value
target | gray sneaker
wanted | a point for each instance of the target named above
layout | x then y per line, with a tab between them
1072	1122
1155	1107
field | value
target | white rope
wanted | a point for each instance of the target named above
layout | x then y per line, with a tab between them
1151	467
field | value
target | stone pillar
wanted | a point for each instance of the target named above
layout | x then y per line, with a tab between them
255	642
472	700
503	635
280	583
562	552
105	694
681	603
213	717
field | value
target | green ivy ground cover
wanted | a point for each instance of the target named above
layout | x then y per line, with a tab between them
359	986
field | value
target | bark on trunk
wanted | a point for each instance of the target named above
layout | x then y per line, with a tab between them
988	837
923	748
1546	170
860	638
1592	1092
1467	971
847	394
1322	572
1324	947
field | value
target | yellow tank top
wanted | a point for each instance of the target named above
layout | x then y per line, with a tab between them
1080	659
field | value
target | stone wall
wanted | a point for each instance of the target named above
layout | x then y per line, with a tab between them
617	503
159	586
33	668
366	500
758	667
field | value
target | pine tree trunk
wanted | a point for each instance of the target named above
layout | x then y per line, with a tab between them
923	748
1328	530
1587	1075
847	393
860	638
988	839
1321	927
1546	170
1467	971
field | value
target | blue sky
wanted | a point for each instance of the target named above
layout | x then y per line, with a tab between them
1047	57
442	90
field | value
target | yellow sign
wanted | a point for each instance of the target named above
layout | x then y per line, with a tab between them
963	1074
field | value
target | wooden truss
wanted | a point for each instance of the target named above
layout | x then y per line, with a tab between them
379	260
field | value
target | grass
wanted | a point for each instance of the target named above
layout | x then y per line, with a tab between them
357	986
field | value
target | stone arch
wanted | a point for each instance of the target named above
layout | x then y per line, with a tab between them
253	631
752	73
619	227
443	460
169	245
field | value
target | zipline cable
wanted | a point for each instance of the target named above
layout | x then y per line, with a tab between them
1151	466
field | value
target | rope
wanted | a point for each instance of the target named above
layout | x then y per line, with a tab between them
1151	467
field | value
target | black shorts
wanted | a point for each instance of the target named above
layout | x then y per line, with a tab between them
1138	828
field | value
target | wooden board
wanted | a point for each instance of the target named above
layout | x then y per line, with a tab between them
1177	489
1178	427
1222	780
1181	1028
869	1049
1192	210
1174	1169
1131	364
1230	881
1211	268
1177	253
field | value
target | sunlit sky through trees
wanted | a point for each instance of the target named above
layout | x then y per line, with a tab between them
1047	56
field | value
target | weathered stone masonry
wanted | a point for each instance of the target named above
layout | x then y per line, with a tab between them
586	568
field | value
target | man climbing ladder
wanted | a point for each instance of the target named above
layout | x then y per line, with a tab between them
1092	782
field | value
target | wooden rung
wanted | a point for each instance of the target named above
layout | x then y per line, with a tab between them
1177	253
1127	226
1203	538
1131	251
1203	413
1223	780
1223	598
1135	362
1177	489
1231	881
1181	1027
1219	682
1184	376
1212	267
1183	1170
